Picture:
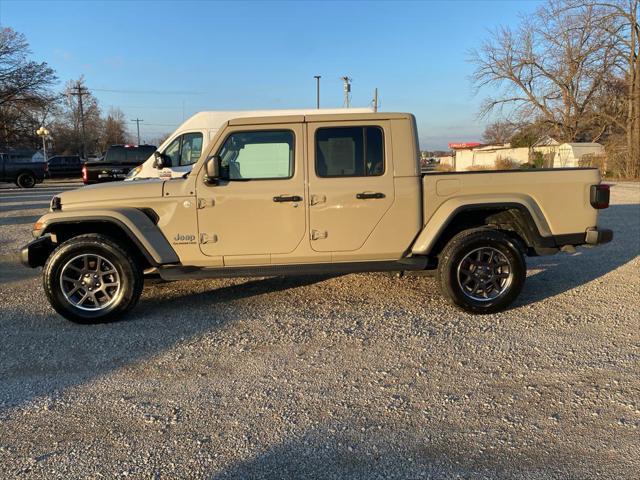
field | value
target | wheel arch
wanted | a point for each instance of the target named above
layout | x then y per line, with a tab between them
132	227
522	220
28	171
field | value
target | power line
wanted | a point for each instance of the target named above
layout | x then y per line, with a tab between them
138	120
150	92
79	91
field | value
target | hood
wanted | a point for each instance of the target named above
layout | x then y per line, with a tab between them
101	192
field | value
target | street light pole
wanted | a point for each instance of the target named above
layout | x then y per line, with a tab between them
317	77
44	133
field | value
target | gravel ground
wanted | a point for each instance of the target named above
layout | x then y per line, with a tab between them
357	376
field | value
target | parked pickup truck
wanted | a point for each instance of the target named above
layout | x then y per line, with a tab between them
116	164
310	194
21	169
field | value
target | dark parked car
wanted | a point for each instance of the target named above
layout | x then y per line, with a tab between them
21	167
117	163
65	166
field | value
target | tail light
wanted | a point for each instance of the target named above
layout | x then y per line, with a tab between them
85	176
600	196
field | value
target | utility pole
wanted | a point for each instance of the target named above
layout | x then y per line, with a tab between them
79	91
375	100
317	77
138	120
347	91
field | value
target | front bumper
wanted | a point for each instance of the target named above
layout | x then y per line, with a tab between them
597	236
35	253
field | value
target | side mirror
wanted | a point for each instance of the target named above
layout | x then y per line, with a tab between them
159	160
212	169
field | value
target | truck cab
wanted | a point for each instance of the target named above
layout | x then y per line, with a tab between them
178	153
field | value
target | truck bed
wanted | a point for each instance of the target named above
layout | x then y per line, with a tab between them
558	198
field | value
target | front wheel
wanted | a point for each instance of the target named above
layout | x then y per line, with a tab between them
26	180
92	279
482	270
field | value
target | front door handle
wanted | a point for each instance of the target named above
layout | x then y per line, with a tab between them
287	198
366	195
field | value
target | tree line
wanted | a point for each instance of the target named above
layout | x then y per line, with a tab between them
28	100
571	70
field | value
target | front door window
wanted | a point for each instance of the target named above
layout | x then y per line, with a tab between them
258	155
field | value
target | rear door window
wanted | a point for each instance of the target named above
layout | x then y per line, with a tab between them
349	152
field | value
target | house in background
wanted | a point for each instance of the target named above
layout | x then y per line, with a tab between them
471	155
571	154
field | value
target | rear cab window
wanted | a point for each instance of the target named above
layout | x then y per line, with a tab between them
349	152
128	154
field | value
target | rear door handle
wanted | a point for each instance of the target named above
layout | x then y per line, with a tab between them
287	198
366	195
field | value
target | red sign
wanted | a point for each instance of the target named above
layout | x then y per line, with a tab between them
462	145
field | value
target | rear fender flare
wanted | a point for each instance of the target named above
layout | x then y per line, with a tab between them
446	213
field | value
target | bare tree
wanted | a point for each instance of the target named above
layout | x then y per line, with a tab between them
564	66
499	132
25	98
67	127
549	69
621	20
115	128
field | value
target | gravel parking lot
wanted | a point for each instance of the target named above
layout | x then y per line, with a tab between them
357	376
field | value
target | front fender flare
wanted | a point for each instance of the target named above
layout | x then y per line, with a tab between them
133	222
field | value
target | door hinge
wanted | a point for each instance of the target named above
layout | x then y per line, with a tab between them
318	235
206	202
206	238
316	199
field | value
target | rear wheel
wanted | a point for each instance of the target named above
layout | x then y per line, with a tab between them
26	180
92	279
482	270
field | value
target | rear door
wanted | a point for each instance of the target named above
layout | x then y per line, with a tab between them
258	207
350	182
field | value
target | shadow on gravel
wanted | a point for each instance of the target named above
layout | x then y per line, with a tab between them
210	298
12	270
562	272
43	354
355	451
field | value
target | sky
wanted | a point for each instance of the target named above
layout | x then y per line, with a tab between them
162	61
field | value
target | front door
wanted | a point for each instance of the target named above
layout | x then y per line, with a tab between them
258	207
350	183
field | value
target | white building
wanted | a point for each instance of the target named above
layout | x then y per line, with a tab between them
570	154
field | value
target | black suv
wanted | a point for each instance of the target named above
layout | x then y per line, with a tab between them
64	166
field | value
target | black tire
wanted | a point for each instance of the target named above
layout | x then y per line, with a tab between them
129	276
457	269
26	180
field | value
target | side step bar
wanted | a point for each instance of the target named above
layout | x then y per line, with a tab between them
177	272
